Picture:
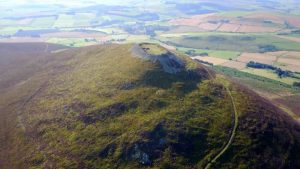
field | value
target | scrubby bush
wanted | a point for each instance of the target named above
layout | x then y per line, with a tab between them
267	48
260	65
296	84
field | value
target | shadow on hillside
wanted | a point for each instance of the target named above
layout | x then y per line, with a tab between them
183	81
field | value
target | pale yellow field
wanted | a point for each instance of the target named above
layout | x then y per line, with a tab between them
257	57
235	64
295	39
277	53
213	60
294	68
268	74
227	27
262	16
289	61
292	55
256	28
209	26
191	21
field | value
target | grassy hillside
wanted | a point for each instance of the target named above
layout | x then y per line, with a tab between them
135	106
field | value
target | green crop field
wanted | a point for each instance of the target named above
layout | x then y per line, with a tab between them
232	42
8	30
223	54
73	42
258	82
234	13
64	21
270	74
43	22
83	19
7	22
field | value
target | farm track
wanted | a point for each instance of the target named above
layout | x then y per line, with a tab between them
23	105
233	132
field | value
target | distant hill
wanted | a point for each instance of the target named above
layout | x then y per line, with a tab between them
133	106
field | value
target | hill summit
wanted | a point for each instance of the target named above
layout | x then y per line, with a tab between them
134	106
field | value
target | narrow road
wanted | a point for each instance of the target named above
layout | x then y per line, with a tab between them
233	132
236	121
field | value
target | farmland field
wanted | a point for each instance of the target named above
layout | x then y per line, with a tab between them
64	20
233	42
270	74
213	53
213	60
83	19
74	42
262	58
43	22
235	64
269	87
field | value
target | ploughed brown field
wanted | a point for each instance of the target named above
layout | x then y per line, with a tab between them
251	23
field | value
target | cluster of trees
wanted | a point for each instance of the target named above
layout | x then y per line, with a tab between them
296	84
219	21
204	62
90	40
267	48
281	73
194	53
258	65
147	17
141	28
34	33
292	32
190	52
284	73
247	38
296	31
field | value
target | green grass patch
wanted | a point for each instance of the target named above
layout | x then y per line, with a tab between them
8	30
231	42
270	74
14	29
64	20
154	49
257	82
73	42
234	13
43	22
223	54
83	19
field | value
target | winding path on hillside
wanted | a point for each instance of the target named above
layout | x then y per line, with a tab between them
23	105
233	132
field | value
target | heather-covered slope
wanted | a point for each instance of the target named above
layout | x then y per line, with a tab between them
136	106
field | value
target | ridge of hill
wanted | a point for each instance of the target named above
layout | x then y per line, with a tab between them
134	106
